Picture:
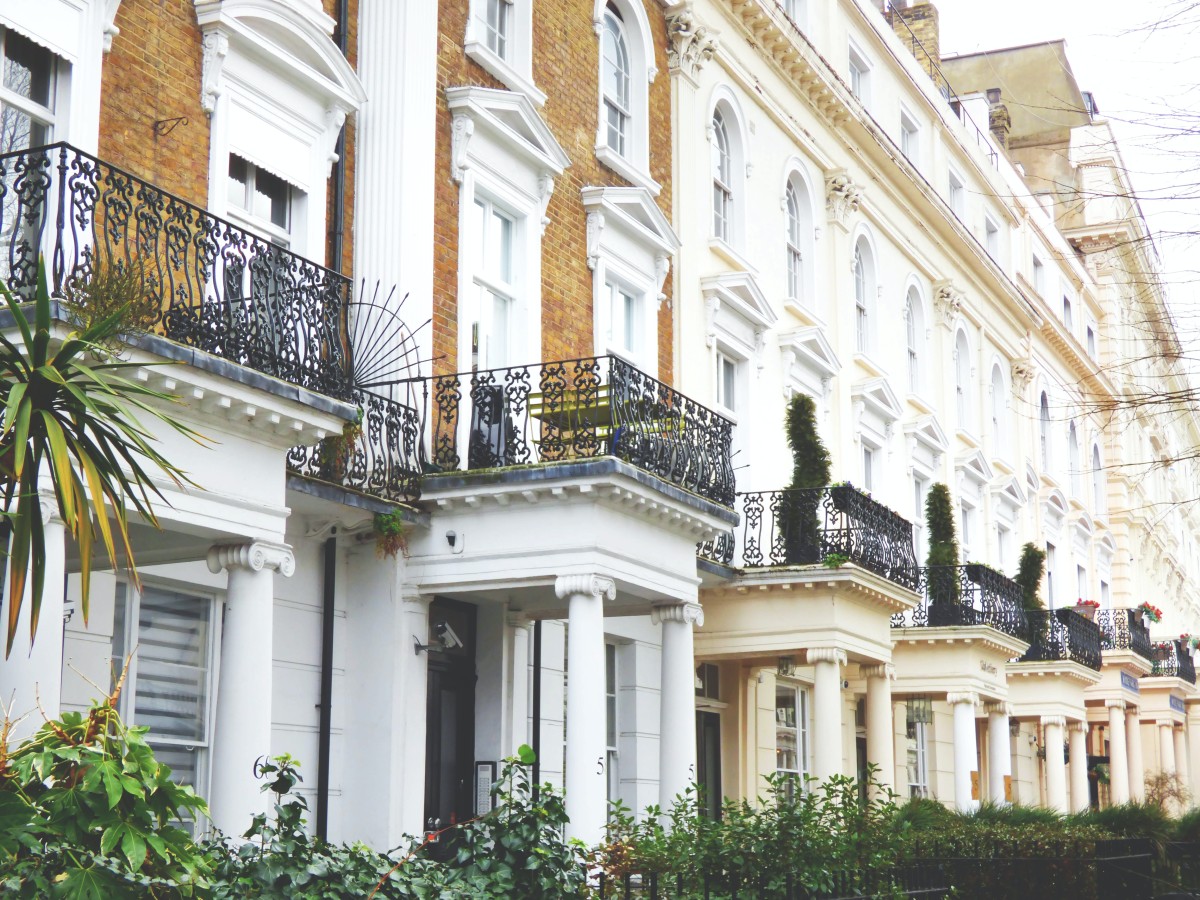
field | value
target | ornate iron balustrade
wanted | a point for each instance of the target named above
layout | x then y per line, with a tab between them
220	288
719	550
1120	629
580	409
967	595
384	458
1172	659
1062	634
830	525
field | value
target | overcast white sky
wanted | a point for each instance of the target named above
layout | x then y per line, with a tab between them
1146	80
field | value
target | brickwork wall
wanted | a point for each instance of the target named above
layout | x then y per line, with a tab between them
348	155
153	73
565	66
918	29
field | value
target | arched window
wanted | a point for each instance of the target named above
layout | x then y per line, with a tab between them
615	79
1098	492
962	377
912	321
795	256
722	165
1073	462
1044	431
999	405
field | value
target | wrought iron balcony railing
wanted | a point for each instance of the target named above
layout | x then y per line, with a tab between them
1062	634
1120	629
1173	659
967	595
580	409
219	287
382	456
820	526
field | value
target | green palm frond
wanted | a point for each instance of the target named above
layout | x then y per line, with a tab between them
72	416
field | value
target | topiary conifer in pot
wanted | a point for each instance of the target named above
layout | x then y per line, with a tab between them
799	524
1029	576
942	558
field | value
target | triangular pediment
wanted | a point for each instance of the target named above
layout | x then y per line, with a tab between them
635	209
927	430
513	119
975	466
809	347
740	292
879	397
1008	490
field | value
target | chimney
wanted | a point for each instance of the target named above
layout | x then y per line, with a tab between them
916	24
999	121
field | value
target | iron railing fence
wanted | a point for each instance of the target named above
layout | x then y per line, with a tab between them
920	879
1062	634
819	526
580	409
1122	629
382	455
973	594
1173	659
218	287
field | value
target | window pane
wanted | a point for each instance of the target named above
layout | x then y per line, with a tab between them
28	68
172	664
239	180
271	198
787	738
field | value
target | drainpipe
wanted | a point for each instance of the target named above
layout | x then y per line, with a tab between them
324	727
537	707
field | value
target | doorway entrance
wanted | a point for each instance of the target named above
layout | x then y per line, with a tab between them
708	761
450	714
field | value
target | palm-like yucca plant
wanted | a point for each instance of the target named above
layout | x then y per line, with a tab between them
70	411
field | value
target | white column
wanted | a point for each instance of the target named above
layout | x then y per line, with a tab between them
1166	746
966	752
32	673
399	75
586	781
677	700
1080	789
1056	770
1181	755
881	738
827	664
518	718
999	752
1137	769
242	731
1118	759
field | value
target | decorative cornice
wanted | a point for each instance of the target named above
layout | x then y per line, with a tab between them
254	556
689	46
842	197
597	586
215	49
827	655
687	613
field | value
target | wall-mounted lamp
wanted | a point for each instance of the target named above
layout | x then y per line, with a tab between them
451	538
444	638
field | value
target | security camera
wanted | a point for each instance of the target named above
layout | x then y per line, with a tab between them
447	636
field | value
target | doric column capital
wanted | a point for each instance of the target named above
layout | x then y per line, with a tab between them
1165	723
1077	727
567	586
688	613
999	708
253	556
880	670
965	697
826	654
1060	721
1114	704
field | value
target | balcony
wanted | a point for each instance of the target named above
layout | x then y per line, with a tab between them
964	596
826	526
1120	629
1172	659
220	289
575	410
1062	634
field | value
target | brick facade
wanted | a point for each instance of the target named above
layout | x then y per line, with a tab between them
566	61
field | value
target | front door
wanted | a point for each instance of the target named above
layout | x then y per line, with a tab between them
450	715
708	761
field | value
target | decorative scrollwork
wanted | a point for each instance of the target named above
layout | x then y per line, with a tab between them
1172	659
973	594
1062	634
1120	629
219	287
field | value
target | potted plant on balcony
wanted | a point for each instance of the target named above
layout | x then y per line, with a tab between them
1030	570
799	525
1087	608
942	557
1147	612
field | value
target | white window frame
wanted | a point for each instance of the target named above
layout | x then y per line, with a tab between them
963	382
858	67
991	237
127	704
862	301
1046	454
956	195
910	138
1092	341
616	105
1074	463
728	364
612	720
46	116
1099	485
797	11
801	727
916	732
920	487
1068	316
999	398
633	161
870	465
723	195
634	321
514	67
1039	276
491	285
1051	562
241	215
795	242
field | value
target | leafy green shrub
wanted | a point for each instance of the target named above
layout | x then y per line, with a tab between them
1014	814
87	812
